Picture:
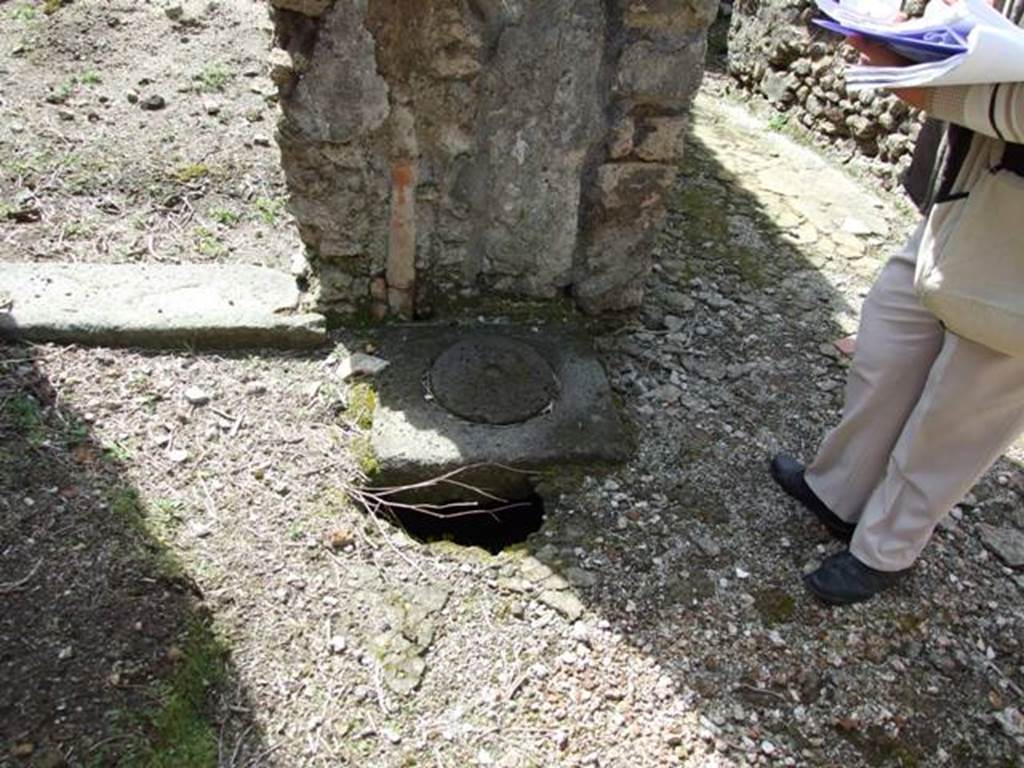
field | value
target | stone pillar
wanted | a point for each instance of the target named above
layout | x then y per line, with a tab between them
439	151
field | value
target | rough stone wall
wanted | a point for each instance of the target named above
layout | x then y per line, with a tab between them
774	51
439	150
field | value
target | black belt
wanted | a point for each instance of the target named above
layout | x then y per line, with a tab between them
1013	158
1013	161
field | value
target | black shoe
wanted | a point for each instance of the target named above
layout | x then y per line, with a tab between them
842	579
789	474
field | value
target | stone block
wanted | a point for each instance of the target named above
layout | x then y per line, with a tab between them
156	305
669	15
861	128
498	400
541	116
660	74
802	68
632	189
835	115
620	140
305	7
620	228
282	67
342	96
660	139
778	87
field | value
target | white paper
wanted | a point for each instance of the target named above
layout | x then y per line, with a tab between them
993	56
995	48
941	16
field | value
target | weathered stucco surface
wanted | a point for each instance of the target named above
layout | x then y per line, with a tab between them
440	150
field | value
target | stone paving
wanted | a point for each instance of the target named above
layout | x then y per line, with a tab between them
843	226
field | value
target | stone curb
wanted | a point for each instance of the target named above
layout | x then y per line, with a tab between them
205	306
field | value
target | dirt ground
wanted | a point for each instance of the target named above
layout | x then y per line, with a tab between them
184	583
128	135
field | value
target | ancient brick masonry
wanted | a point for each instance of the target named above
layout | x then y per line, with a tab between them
438	151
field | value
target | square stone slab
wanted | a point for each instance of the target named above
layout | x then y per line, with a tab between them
520	398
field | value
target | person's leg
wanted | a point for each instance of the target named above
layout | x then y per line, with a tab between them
897	343
971	410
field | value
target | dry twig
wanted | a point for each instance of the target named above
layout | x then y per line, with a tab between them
17	586
387	540
372	498
378	674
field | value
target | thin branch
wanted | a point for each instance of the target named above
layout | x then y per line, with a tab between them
1004	677
479	491
391	544
369	500
448	475
17	586
438	508
516	685
258	759
755	691
378	673
236	753
318	470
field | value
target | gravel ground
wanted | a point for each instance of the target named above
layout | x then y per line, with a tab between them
150	502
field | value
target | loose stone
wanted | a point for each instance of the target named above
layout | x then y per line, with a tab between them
196	396
361	364
153	103
566	603
1006	543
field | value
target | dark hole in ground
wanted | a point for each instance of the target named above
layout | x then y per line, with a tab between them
493	530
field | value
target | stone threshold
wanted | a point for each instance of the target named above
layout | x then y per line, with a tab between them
226	306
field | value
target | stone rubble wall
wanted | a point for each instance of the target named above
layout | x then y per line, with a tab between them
438	151
775	52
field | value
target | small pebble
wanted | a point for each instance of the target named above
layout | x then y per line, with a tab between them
197	396
178	455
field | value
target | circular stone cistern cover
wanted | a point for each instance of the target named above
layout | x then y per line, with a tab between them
493	380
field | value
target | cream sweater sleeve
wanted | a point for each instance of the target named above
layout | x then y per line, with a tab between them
994	109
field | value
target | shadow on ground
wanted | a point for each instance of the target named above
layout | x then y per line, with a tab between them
693	558
717	60
698	558
107	653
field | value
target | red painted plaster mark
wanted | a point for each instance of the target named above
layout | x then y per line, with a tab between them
401	265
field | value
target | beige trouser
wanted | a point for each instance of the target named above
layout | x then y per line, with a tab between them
926	413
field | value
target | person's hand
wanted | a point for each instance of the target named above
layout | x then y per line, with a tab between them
875	55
